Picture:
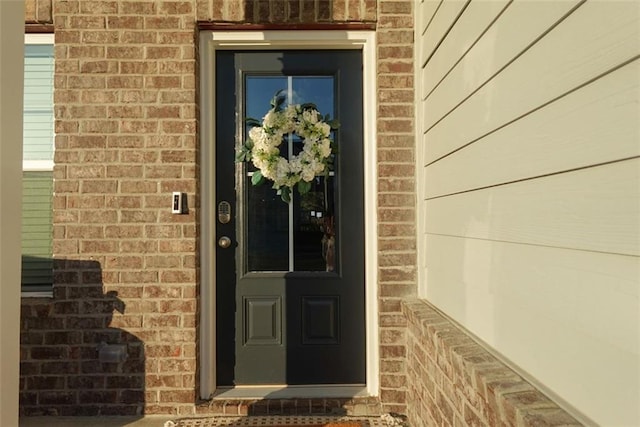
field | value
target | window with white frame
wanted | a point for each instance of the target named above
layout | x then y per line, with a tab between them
37	164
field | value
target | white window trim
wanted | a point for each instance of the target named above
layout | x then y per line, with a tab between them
39	38
37	165
210	42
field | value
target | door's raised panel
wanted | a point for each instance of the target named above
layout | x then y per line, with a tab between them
262	320
321	320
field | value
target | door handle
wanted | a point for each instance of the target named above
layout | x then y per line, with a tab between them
224	242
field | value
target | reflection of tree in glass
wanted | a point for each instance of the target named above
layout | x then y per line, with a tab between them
312	201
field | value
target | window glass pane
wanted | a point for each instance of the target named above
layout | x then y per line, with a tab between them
267	229
314	234
267	232
303	238
259	90
317	90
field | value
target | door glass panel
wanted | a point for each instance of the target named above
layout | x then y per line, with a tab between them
267	222
300	236
267	229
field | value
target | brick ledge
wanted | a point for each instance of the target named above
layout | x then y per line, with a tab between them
465	383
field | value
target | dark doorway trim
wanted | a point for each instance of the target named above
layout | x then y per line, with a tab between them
31	28
230	26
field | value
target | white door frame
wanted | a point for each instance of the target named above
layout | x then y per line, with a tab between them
210	42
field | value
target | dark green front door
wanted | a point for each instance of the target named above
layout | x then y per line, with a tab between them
290	287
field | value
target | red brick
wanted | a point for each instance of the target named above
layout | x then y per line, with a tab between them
396	52
123	231
178	306
396	200
86	82
180	276
396	215
395	7
86	52
87	22
96	97
125	141
397	95
162	52
129	22
138	7
165	22
139	37
163	112
99	7
100	37
396	184
124	82
165	381
98	66
99	126
396	170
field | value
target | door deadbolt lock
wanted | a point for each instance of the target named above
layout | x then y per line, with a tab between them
224	242
224	212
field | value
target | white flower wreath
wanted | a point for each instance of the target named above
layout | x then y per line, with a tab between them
265	137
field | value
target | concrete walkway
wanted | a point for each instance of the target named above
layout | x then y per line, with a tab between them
148	421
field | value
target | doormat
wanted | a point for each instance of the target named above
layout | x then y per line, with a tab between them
286	421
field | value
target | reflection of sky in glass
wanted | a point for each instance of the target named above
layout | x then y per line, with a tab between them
259	92
315	89
318	90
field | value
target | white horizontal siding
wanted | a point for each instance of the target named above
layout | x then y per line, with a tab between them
594	125
424	13
443	19
37	229
590	209
494	50
475	20
529	168
571	55
38	126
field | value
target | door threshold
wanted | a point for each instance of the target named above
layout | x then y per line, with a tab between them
290	391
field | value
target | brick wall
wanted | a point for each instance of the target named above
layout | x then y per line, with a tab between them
396	192
453	380
38	12
126	137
